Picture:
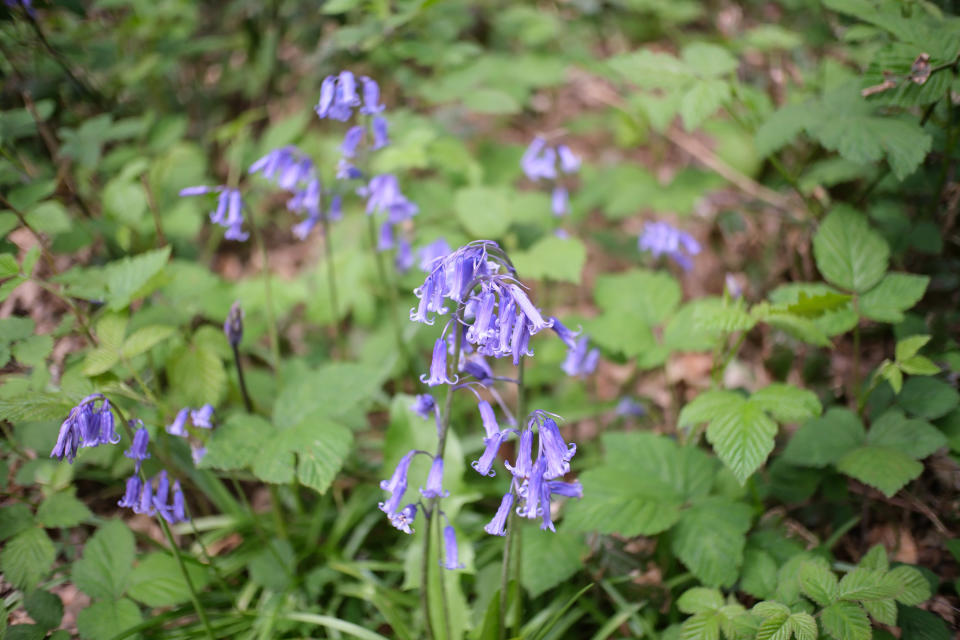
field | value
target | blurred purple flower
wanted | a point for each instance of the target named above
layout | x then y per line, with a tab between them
381	137
429	254
660	238
434	488
371	97
451	561
229	211
580	360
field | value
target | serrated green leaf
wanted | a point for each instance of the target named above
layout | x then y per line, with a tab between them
883	611
917	624
652	70
25	632
776	627
864	584
907	585
770	609
709	539
787	403
814	305
236	443
108	618
928	397
332	390
9	286
708	60
100	360
708	406
848	252
799	327
30	260
875	558
482	210
831	323
16	328
890	372
157	581
62	509
917	438
33	351
130	278
14	518
699	599
197	375
885	469
910	346
919	366
111	328
702	626
782	126
818	582
689	471
144	339
552	258
759	576
896	293
725	318
626	502
804	626
8	265
550	560
103	569
702	100
45	608
321	446
27	557
742	439
846	621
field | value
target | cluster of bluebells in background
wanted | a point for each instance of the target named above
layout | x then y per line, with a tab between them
492	316
543	162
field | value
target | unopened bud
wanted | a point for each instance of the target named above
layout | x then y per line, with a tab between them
233	325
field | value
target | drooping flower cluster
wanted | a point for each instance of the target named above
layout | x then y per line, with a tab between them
543	162
659	238
581	360
199	418
85	426
229	211
492	316
141	496
292	170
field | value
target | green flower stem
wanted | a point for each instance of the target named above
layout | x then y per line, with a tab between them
247	402
388	286
328	261
186	576
512	524
268	296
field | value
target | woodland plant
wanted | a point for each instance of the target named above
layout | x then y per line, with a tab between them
750	262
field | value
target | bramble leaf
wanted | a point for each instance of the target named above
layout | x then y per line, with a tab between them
848	252
846	621
26	558
885	469
823	441
896	293
709	539
103	569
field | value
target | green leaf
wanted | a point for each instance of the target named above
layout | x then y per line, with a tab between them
776	627
197	375
759	577
917	624
552	258
156	581
928	398
814	305
770	609
848	252
16	328
145	339
332	390
482	211
787	403
548	560
110	330
890	372
321	446
687	470
103	570
30	260
708	406
653	295
33	351
909	347
45	608
27	557
833	322
818	582
700	599
907	585
919	366
883	611
274	567
885	469
25	632
875	558
702	100
8	265
709	539
652	70
130	277
864	584
823	441
702	626
917	438
99	360
846	621
124	201
14	518
896	293
236	443
709	60
804	626
742	439
491	101
108	618
63	509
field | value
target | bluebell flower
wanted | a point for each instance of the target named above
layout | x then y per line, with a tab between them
398	481
233	325
567	489
484	465
335	211
560	200
489	418
87	424
338	97
161	495
434	488
138	450
524	463
403	260
131	497
201	417
178	426
145	505
732	286
27	6
371	97
385	240
498	525
660	238
569	162
580	360
424	405
303	228
381	136
451	560
477	367
383	194
179	508
568	336
531	491
306	199
108	433
539	160
197	452
229	211
404	518
351	140
287	167
554	450
431	253
630	407
438	366
535	321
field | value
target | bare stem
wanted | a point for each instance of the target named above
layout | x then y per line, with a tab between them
186	576
331	282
